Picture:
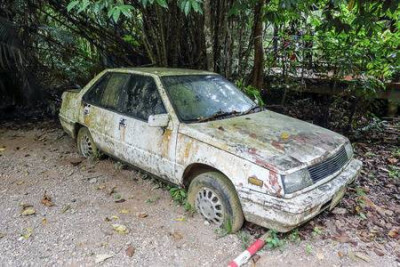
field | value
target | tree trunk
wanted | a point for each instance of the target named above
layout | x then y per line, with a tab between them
207	35
258	73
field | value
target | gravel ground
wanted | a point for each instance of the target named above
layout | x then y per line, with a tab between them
38	160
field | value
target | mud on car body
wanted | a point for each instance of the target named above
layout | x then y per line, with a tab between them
196	129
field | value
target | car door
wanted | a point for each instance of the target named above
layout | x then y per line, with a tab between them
92	112
148	147
111	122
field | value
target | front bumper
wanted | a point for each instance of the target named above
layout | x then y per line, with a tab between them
283	214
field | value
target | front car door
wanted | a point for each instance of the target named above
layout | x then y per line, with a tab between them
148	147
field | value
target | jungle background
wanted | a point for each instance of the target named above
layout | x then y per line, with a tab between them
335	63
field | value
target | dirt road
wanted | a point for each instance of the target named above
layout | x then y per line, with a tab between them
75	224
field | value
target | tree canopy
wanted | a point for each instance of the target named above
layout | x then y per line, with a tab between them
64	41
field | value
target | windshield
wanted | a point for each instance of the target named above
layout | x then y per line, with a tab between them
198	97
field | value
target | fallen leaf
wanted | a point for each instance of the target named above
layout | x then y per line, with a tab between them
142	214
103	257
121	200
362	256
2	235
101	187
379	252
342	238
124	211
320	256
180	219
176	235
340	254
114	217
28	211
75	162
120	229
46	200
2	149
28	233
392	160
66	208
130	251
44	221
394	232
20	182
113	190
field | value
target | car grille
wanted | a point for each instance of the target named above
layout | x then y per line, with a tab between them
328	166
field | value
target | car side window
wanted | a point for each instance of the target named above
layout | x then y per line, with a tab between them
93	96
113	90
141	98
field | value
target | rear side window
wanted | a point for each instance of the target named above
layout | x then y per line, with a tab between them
141	98
94	94
113	89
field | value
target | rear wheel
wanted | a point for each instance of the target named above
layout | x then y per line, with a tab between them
215	198
86	145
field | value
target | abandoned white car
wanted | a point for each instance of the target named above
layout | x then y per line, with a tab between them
196	129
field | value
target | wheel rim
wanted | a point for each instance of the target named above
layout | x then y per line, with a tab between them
86	146
209	205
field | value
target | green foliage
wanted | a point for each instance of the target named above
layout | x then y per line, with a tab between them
251	91
273	241
244	238
179	195
394	172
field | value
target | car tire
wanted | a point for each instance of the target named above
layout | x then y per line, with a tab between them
86	145
215	198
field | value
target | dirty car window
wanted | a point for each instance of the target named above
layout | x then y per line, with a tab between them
93	96
201	96
112	92
141	98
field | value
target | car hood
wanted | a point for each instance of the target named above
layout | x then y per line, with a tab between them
272	140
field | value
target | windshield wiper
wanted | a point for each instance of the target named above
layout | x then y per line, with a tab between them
217	115
252	109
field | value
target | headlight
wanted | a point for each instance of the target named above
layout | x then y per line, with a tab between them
296	181
349	150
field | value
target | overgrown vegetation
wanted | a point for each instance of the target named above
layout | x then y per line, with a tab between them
47	46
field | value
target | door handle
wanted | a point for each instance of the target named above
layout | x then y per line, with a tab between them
86	109
122	123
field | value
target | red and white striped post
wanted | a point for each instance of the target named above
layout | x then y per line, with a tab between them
248	253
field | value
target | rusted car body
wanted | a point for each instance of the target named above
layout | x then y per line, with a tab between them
262	153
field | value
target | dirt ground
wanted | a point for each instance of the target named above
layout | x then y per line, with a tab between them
78	206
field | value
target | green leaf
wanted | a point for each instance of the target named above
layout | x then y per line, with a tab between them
196	7
115	15
187	8
162	3
71	5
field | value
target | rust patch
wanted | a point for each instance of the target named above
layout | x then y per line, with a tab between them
165	142
188	147
274	182
122	134
277	145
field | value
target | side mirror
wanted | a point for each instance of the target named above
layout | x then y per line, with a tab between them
159	120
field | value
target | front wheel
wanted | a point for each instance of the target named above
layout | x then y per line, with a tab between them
86	145
215	198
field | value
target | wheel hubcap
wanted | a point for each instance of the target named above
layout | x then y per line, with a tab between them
209	205
86	146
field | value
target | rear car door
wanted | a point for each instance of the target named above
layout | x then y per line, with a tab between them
91	111
148	147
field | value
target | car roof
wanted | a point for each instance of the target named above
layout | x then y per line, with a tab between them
163	71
